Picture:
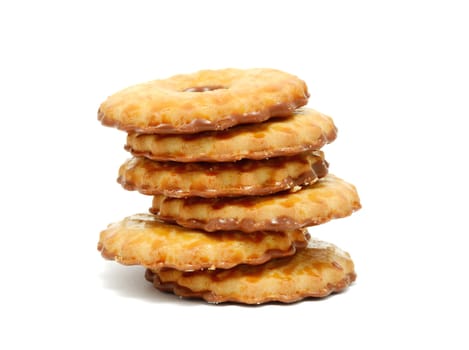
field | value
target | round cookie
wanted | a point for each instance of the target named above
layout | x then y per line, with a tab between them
316	271
306	130
143	239
205	100
209	180
329	198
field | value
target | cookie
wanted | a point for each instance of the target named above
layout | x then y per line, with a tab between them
242	178
142	239
306	130
205	100
316	271
329	198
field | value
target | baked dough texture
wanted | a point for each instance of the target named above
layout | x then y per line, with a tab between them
316	271
328	198
142	239
204	100
306	130
209	180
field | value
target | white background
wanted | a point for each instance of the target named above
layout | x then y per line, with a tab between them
393	75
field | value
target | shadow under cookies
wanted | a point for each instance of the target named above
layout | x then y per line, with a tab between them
129	282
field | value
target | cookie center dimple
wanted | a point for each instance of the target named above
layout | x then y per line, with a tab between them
204	88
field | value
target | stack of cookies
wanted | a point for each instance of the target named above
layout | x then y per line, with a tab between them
234	165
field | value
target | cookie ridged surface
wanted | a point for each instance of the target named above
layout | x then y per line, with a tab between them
205	100
306	130
328	198
142	239
316	271
245	177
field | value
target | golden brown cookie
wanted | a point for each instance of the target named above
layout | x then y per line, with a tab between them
205	100
316	271
242	178
329	198
143	239
306	130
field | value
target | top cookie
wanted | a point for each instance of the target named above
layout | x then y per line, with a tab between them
205	100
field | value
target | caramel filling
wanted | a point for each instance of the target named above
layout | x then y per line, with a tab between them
204	88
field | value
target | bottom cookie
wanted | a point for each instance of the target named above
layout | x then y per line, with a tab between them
315	271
